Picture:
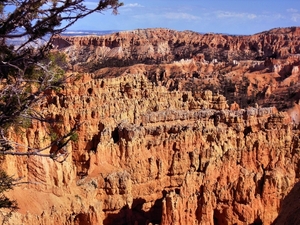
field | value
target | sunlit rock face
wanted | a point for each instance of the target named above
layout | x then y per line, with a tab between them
152	151
152	46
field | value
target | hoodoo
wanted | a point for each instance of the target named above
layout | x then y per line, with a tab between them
175	128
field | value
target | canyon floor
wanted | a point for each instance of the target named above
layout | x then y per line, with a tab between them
175	128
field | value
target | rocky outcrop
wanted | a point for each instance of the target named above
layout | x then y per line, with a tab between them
259	69
148	155
152	46
191	136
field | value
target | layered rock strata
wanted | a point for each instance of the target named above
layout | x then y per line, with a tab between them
148	155
153	46
256	69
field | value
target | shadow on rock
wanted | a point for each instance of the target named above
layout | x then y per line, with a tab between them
289	213
138	214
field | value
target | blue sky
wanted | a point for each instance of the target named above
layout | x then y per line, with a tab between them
219	16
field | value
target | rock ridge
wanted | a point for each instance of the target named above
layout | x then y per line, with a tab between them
152	46
148	155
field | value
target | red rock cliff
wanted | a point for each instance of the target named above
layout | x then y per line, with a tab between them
148	153
164	46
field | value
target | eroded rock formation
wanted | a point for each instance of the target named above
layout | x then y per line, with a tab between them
152	46
146	154
151	150
261	68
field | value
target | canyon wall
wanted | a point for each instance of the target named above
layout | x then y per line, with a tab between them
152	46
261	68
158	141
146	155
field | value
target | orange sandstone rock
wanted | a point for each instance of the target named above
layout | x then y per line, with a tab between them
153	158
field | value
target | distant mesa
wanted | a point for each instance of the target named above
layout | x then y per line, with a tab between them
158	45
